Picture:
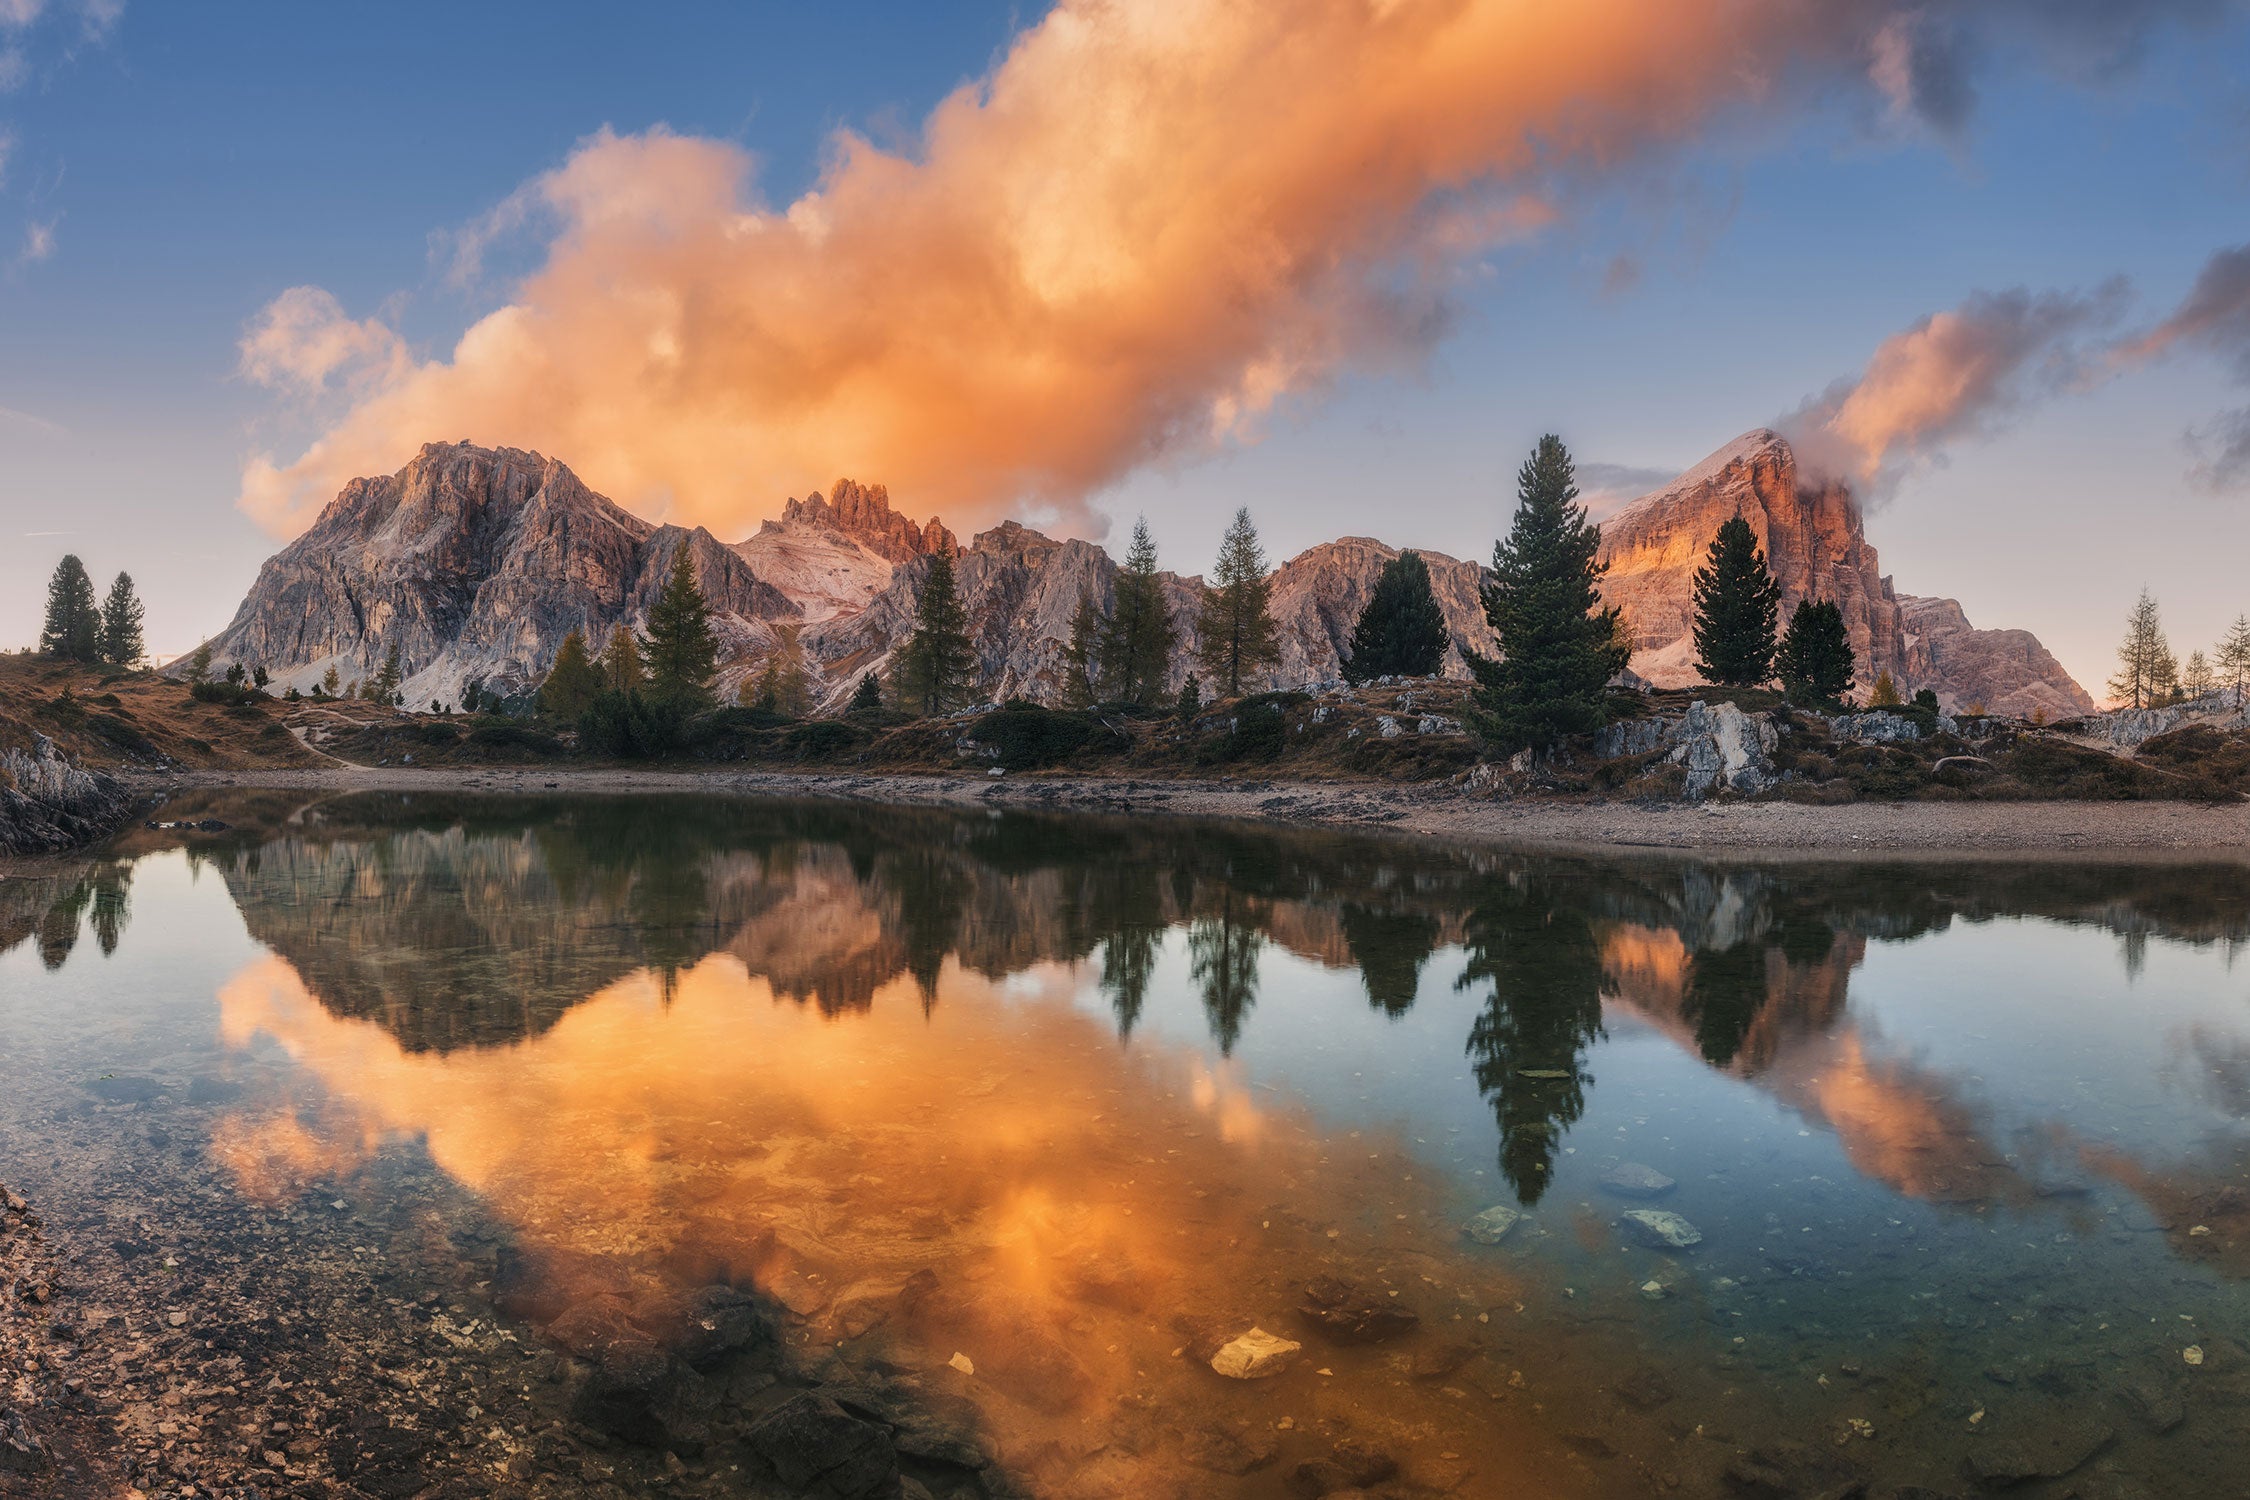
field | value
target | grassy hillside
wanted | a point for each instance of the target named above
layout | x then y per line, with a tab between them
137	720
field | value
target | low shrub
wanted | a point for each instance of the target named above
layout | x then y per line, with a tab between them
1029	737
233	694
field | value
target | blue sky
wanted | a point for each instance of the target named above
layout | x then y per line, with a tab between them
191	163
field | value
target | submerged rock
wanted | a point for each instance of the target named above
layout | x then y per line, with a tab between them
1347	1315
1660	1229
820	1449
1255	1355
1630	1179
2004	1462
1494	1224
1349	1466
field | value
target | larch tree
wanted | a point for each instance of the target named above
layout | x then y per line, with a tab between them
1401	632
1814	660
683	654
2232	663
622	667
122	644
1136	648
383	686
2196	676
1737	606
1235	637
1082	666
572	682
73	627
1559	646
2146	669
1884	694
937	671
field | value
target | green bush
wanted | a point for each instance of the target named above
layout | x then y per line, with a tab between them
507	735
233	694
827	739
1029	736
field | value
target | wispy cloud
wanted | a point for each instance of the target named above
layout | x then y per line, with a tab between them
38	242
28	419
18	14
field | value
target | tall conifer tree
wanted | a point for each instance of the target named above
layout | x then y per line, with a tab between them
1401	632
1814	659
2146	669
1737	605
682	653
623	670
2232	662
571	682
122	644
1558	646
73	628
937	671
1082	667
1235	635
1136	651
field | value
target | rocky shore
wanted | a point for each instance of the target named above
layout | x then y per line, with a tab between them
48	805
1762	830
174	1339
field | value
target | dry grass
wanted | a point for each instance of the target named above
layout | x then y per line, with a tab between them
137	720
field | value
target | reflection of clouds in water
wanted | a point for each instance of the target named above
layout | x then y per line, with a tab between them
1074	1199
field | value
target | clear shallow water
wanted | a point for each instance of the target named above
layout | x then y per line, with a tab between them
1076	1100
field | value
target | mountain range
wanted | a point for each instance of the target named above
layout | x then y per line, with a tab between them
476	562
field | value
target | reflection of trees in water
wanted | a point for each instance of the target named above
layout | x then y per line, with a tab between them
57	910
1390	944
456	920
1535	947
1223	950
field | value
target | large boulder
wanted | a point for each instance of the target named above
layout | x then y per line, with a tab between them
1724	750
47	804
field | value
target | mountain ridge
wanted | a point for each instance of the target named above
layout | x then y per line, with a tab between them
477	562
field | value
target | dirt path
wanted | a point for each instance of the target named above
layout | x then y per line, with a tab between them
1763	829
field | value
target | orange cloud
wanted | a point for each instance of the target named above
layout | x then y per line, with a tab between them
1952	374
1154	220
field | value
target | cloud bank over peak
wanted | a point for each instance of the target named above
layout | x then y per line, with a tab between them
1152	223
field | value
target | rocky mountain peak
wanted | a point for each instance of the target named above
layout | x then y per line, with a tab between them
863	513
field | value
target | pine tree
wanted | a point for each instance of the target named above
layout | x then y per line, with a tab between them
1558	646
1814	659
2197	678
199	664
1190	701
2145	667
623	670
383	687
1136	648
1401	632
571	682
73	629
1234	632
869	697
2233	659
1737	604
938	669
683	655
122	643
1081	687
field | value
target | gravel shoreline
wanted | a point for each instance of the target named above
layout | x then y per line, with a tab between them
1761	830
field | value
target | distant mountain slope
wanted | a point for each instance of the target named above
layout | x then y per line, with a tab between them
475	563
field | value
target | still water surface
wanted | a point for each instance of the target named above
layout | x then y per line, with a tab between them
1967	1145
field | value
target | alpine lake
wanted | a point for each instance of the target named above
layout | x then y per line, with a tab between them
445	1144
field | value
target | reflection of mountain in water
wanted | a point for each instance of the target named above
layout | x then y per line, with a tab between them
463	922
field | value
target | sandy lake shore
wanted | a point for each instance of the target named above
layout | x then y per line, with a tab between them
1761	830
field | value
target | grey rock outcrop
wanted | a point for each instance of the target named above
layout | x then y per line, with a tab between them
1722	748
47	804
1875	727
